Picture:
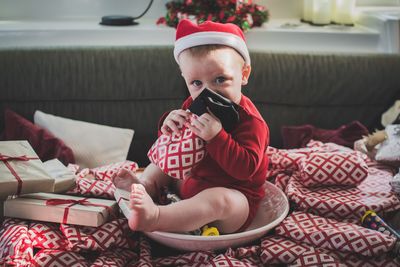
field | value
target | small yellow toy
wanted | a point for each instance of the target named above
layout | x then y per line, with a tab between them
209	231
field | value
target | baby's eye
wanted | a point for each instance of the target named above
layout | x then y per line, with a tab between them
220	80
197	83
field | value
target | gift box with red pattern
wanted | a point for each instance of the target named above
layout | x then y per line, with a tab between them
61	209
21	170
177	154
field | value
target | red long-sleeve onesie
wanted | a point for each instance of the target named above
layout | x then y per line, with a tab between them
234	160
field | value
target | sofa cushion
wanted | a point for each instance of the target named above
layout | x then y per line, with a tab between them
93	144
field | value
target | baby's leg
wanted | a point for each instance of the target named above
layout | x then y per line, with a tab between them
152	179
227	209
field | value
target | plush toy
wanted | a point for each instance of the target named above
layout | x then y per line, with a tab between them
374	139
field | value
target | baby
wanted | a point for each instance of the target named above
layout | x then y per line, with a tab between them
225	188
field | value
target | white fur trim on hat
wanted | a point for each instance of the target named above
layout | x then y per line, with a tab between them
208	38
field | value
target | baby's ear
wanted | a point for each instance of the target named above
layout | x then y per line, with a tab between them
246	74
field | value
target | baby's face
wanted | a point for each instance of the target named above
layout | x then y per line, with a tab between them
222	70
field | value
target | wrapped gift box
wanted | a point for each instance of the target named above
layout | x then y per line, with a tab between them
64	178
122	198
21	170
61	209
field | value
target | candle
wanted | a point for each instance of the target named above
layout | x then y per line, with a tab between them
307	10
344	12
322	12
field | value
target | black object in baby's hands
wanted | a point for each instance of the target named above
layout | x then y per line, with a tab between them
223	108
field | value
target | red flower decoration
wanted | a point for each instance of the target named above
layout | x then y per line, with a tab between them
243	13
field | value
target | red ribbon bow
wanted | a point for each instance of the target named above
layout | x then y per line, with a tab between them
72	202
5	159
55	201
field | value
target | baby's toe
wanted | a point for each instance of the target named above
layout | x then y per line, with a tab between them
138	188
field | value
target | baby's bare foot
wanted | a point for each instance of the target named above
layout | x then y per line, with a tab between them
144	213
124	179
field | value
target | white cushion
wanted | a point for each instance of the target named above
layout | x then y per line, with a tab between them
93	144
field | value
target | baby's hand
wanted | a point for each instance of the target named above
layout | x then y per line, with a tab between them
207	126
174	120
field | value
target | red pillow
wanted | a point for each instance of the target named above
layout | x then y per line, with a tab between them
345	135
46	145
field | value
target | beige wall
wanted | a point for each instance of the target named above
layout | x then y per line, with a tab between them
94	9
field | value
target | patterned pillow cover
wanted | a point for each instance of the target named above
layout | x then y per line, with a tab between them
344	168
177	154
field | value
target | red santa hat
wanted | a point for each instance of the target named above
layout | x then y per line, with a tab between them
189	34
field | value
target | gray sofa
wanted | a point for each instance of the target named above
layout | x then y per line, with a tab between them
132	86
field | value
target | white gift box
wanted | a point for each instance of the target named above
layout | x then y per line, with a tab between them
61	209
122	198
64	178
21	170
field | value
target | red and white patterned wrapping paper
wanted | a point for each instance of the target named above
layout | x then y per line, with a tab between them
108	172
112	234
319	164
333	235
314	257
281	250
98	182
116	257
285	161
226	260
332	168
15	244
357	260
247	255
47	235
176	154
95	188
56	258
281	181
374	193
